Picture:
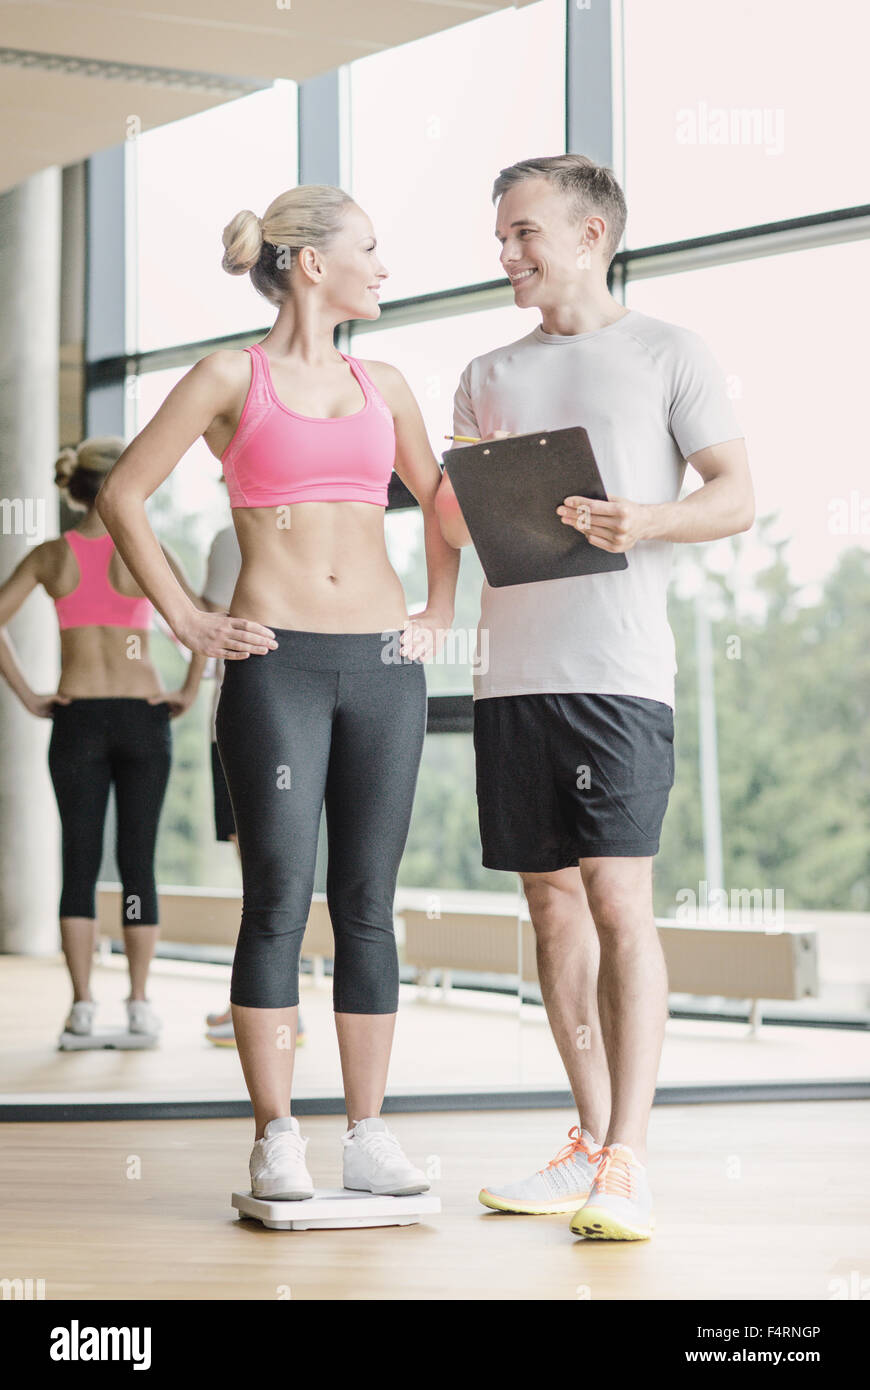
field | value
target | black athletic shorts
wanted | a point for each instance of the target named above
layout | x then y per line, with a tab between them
568	777
224	821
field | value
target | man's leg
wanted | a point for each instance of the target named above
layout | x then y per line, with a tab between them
523	829
567	953
632	990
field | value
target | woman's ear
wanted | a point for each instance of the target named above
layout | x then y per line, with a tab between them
310	264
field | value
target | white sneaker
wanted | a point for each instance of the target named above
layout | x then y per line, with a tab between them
277	1164
222	1034
619	1207
141	1017
374	1162
80	1019
562	1186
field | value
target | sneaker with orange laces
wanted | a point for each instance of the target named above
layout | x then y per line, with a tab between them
560	1187
619	1207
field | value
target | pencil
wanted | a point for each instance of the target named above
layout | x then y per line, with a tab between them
463	438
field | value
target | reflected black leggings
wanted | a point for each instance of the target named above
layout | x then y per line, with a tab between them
95	743
325	718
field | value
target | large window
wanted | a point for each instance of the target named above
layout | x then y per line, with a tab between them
190	179
786	332
432	124
739	113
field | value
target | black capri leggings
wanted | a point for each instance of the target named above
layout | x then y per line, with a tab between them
94	743
334	718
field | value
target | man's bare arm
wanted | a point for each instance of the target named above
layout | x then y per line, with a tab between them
724	506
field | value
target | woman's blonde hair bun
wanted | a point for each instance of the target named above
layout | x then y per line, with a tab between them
64	466
79	473
243	242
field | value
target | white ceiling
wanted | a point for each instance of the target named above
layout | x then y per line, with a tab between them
55	109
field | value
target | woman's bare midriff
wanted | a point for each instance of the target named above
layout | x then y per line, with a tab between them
99	662
317	567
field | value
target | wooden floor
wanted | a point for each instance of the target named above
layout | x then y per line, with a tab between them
753	1202
473	1041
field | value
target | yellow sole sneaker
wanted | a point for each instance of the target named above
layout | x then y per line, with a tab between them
596	1223
520	1208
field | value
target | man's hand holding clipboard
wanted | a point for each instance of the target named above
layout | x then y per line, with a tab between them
616	525
520	494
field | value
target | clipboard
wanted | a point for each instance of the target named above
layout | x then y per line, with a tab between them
509	489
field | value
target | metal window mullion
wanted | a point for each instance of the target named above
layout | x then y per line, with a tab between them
589	80
748	243
105	288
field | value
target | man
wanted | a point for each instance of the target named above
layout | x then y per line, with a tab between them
573	719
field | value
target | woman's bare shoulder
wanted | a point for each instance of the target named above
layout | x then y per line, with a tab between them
227	366
388	379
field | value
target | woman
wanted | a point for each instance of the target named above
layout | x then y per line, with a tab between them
324	695
111	726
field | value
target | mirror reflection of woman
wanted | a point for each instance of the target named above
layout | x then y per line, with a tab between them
111	728
324	696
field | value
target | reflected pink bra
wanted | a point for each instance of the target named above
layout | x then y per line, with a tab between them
277	456
93	602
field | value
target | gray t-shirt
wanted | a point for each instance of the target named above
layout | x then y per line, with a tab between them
649	394
224	564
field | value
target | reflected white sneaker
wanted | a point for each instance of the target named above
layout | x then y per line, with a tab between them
374	1162
80	1019
277	1164
141	1017
619	1207
222	1034
562	1186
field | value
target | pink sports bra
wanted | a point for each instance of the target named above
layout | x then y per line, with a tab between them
93	602
277	456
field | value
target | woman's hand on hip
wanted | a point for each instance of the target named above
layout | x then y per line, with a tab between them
43	705
178	701
219	635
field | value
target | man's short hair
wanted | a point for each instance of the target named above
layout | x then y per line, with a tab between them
591	187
